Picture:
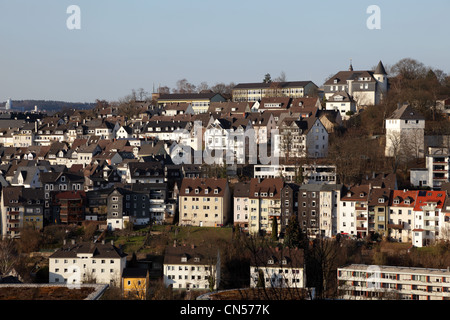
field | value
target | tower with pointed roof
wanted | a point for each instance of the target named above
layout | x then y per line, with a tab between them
380	76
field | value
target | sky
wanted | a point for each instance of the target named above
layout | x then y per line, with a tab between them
126	45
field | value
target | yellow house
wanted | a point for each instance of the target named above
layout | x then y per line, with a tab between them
135	283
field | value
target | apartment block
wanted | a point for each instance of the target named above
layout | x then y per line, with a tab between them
191	267
204	202
278	268
364	282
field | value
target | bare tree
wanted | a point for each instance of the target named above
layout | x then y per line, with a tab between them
281	77
203	86
184	86
7	255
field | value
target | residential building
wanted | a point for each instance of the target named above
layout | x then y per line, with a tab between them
199	101
365	87
302	138
256	91
77	263
189	267
353	218
428	217
401	214
319	173
378	207
277	268
343	103
330	196
288	172
405	133
204	202
20	207
135	283
127	205
309	209
378	282
69	207
436	172
289	205
241	202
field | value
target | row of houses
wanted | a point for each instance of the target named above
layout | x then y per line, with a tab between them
184	267
190	267
324	210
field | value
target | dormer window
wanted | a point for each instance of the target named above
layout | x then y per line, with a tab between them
381	200
183	259
196	191
216	191
407	201
206	191
187	190
361	194
256	194
270	261
197	259
396	201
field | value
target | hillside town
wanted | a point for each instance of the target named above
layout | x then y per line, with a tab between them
300	175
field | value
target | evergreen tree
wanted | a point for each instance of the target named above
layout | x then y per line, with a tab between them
294	236
274	229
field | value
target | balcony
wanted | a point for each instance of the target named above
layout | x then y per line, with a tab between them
274	214
399	226
361	218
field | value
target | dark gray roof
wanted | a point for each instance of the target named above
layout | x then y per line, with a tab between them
406	112
267	85
380	69
99	250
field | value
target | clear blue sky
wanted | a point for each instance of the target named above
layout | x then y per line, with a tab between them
125	45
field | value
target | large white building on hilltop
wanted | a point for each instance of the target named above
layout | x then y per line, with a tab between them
365	87
405	130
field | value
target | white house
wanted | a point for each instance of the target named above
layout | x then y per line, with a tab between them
405	133
76	263
343	103
277	268
366	87
188	267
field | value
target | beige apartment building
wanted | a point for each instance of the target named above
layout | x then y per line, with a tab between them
204	202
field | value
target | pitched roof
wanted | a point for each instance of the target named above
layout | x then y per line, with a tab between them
406	112
380	69
287	84
204	255
268	257
99	250
425	197
202	185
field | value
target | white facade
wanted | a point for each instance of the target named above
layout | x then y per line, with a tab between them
288	172
329	210
346	222
366	282
77	267
405	133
